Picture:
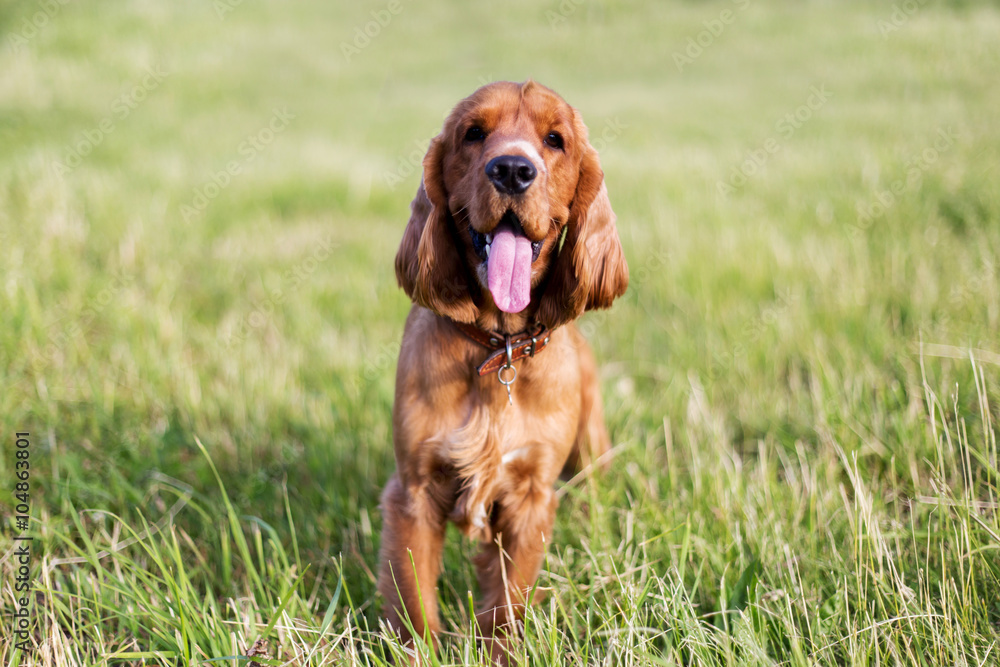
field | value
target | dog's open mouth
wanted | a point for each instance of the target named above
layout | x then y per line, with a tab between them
508	254
481	242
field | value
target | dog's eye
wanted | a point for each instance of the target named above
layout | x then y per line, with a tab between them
555	140
475	133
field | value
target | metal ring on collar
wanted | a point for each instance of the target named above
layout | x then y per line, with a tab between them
509	382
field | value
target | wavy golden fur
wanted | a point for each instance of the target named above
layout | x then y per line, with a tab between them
462	452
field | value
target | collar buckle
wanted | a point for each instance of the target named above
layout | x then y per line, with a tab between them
504	348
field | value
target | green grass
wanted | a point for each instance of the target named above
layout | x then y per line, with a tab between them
804	402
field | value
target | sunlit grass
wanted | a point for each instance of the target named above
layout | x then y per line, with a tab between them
803	399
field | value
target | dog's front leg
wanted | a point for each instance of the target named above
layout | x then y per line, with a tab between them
508	567
412	538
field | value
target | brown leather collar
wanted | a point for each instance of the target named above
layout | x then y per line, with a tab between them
506	348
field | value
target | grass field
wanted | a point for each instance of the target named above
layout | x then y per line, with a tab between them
199	208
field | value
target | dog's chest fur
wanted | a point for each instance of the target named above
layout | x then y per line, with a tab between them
498	454
464	443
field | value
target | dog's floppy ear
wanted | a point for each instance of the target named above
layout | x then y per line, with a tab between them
429	266
590	271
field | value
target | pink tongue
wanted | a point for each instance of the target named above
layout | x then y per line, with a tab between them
509	270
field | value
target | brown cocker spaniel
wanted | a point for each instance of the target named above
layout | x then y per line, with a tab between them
510	239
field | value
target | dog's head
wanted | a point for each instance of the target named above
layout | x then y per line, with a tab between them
512	220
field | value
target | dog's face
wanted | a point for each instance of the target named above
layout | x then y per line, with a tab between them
510	171
511	164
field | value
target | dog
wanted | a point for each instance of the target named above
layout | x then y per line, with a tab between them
511	238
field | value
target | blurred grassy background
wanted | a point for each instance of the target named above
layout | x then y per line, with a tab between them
778	425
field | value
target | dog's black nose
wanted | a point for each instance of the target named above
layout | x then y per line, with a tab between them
510	174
